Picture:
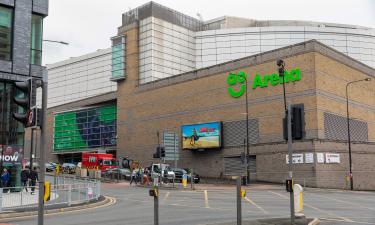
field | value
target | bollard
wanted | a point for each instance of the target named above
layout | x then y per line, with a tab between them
298	200
239	204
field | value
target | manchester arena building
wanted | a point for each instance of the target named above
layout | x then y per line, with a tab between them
203	89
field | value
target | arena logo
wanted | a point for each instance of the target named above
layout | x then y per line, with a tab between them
261	81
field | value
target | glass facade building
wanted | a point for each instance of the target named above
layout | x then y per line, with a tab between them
6	18
172	43
118	58
80	78
36	39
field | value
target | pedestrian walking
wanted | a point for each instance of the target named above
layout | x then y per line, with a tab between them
133	178
24	178
5	176
33	178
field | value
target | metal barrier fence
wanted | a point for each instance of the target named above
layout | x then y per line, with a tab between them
71	191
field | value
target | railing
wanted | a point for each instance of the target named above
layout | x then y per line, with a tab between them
68	192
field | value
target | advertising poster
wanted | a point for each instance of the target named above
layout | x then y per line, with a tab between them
309	157
201	136
13	154
297	158
332	158
320	157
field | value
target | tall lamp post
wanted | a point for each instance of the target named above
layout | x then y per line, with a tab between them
44	85
348	123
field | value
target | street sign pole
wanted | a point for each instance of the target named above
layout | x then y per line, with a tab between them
290	151
239	205
42	150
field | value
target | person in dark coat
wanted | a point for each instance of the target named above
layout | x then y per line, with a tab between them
24	178
33	178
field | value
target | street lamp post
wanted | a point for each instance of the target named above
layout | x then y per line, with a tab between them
44	85
348	124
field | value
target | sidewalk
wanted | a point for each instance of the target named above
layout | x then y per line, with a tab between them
274	221
22	198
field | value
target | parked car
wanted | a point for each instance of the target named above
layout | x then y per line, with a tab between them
196	176
68	168
179	173
124	173
49	167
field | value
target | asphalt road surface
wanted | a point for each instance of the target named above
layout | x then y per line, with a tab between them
213	204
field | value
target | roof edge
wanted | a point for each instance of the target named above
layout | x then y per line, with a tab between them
284	52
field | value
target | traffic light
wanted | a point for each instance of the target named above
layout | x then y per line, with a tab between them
157	153
22	100
298	123
162	152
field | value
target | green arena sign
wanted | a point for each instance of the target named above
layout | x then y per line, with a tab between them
237	81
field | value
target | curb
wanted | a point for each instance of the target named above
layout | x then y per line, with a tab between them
314	222
7	216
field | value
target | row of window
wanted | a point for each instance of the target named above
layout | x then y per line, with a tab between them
6	31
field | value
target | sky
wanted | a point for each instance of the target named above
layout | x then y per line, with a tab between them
88	25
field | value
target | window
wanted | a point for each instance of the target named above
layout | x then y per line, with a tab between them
6	16
118	58
36	39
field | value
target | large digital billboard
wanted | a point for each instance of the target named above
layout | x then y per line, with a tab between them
201	136
87	128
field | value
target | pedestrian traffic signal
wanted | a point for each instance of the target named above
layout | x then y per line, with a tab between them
35	117
298	123
289	185
22	100
162	152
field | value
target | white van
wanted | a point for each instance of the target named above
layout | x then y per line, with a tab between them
166	171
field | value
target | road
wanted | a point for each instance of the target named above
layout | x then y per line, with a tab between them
214	204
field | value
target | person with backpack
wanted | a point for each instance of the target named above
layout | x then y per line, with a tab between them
33	179
24	178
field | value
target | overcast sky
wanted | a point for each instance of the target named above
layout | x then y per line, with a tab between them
88	24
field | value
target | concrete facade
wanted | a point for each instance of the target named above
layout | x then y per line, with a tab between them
201	96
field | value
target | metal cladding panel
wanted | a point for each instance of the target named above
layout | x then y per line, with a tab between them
40	7
5	66
22	37
234	132
7	2
234	166
171	145
336	128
